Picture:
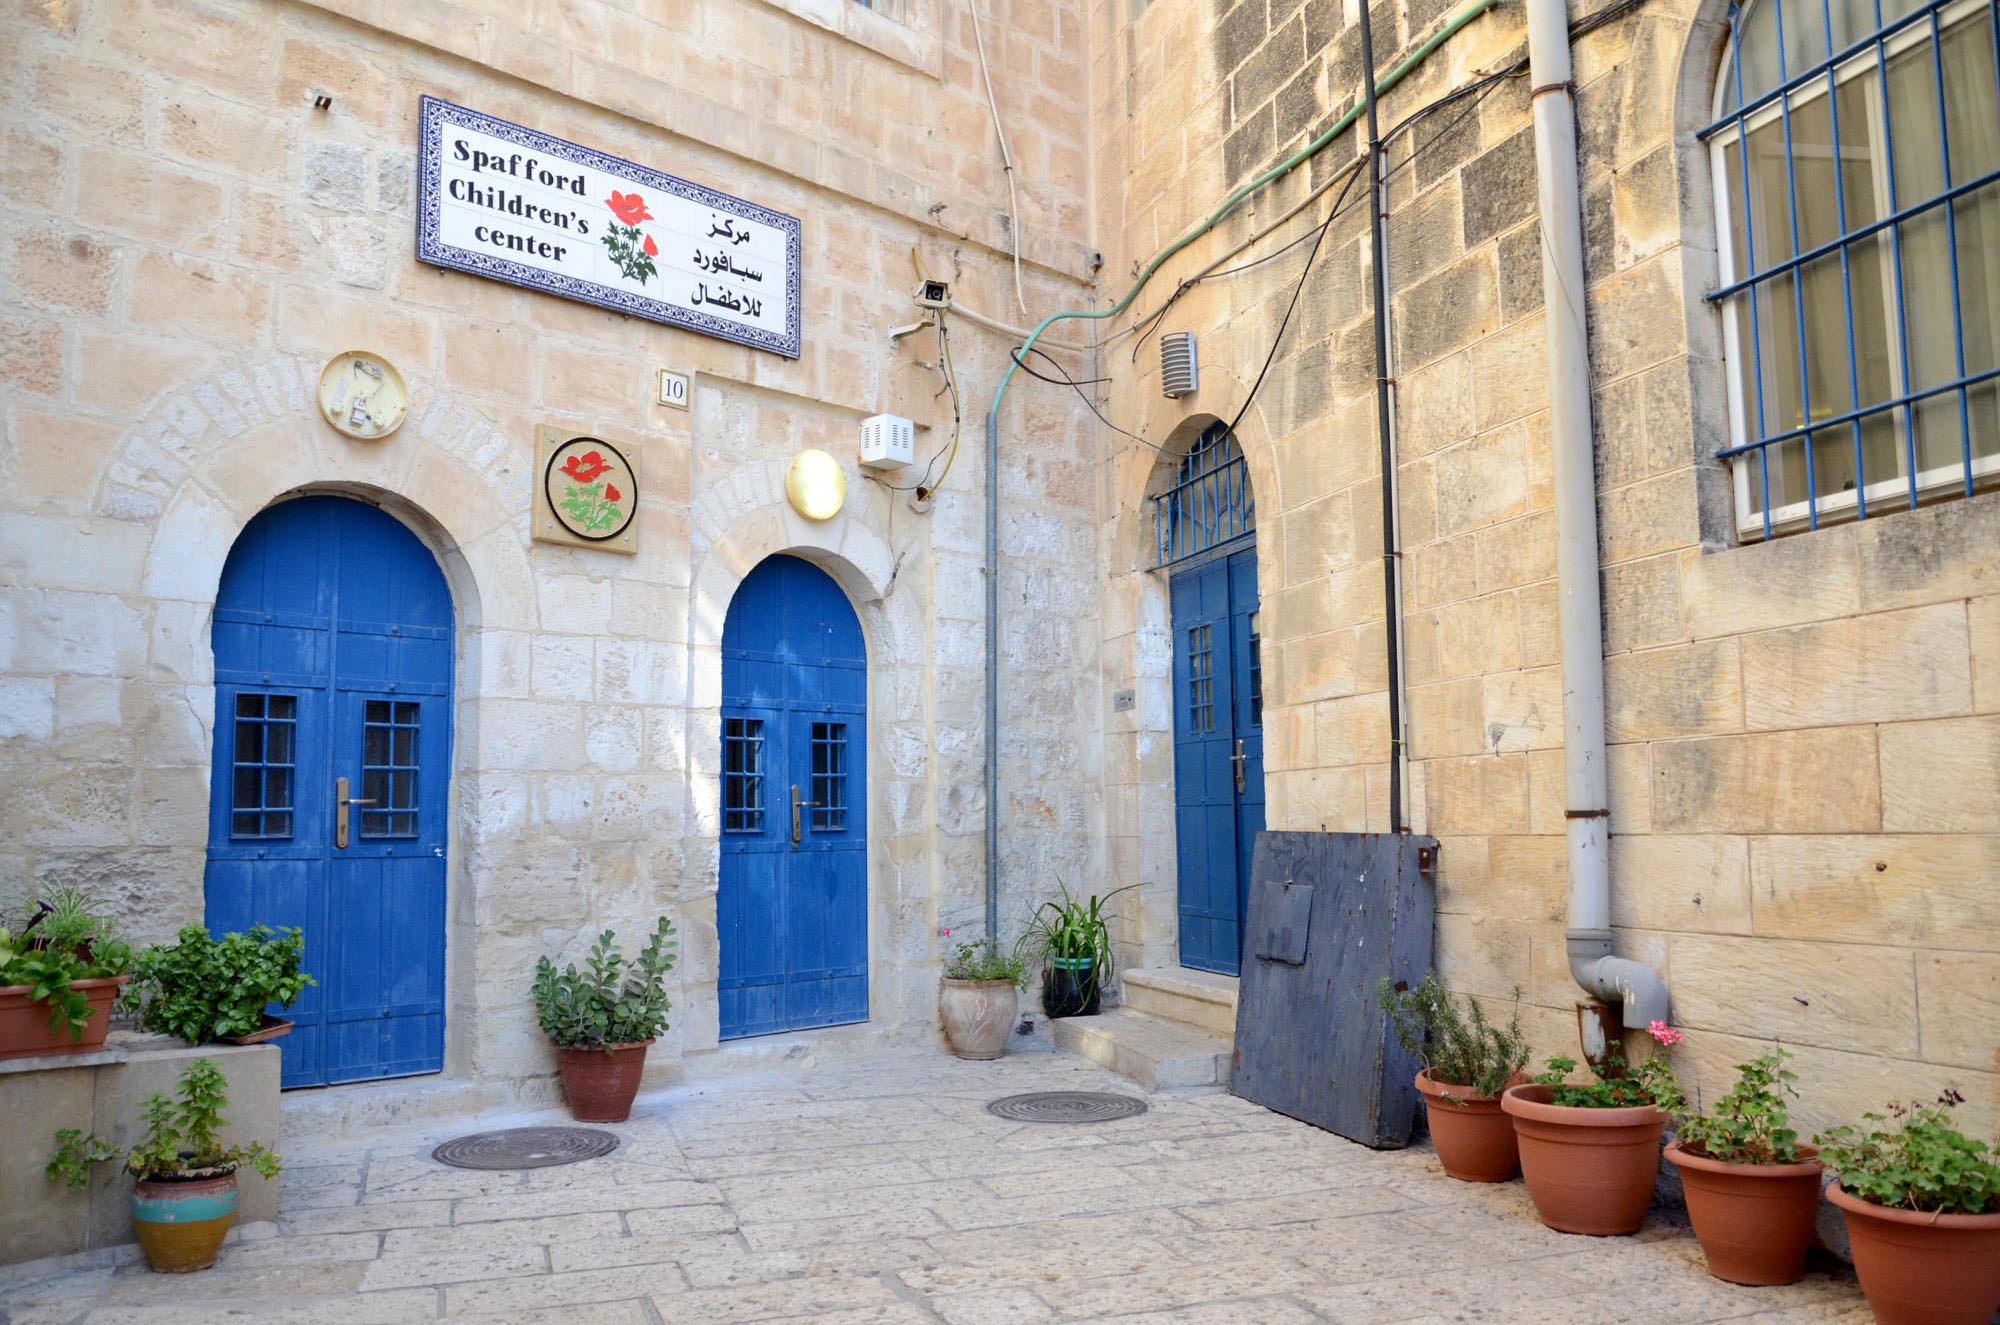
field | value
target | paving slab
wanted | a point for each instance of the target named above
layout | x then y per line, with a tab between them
878	1191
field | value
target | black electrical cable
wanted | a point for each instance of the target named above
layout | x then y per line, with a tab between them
1083	395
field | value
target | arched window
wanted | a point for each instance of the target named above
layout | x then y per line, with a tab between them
1856	154
1209	503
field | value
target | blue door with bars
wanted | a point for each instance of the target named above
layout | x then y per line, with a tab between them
1218	753
792	902
333	665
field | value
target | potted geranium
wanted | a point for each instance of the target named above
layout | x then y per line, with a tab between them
1072	940
204	989
1922	1201
980	998
185	1198
602	1019
60	975
1591	1151
1467	1062
1752	1190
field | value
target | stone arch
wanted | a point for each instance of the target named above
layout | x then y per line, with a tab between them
736	526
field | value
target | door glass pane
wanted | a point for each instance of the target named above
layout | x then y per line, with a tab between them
829	777
389	769
743	775
1201	680
260	784
1256	673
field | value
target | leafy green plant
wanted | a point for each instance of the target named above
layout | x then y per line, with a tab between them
66	939
1920	1163
1461	1048
983	960
609	1002
204	989
1072	929
1615	1085
183	1138
1749	1125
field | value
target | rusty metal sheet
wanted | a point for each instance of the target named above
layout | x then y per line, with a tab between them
1311	1041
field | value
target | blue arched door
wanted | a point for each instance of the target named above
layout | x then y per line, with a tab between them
333	663
791	906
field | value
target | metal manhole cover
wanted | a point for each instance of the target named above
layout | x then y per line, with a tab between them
525	1148
1066	1106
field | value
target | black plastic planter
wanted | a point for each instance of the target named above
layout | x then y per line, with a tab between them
1069	988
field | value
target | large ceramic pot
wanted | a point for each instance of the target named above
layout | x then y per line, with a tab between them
1920	1269
180	1222
24	1023
978	1016
1473	1135
1588	1170
1754	1221
1071	988
600	1083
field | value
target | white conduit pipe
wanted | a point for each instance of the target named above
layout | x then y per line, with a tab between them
1634	985
1006	156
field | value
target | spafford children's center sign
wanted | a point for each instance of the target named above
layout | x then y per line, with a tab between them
499	200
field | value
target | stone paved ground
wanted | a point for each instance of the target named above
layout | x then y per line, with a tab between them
881	1193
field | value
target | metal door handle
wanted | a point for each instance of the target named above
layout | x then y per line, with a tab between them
798	805
341	800
1237	759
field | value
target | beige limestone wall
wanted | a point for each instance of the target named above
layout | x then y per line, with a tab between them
185	239
1805	748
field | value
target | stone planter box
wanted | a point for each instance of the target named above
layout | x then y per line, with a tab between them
102	1090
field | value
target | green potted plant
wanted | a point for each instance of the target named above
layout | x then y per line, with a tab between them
1071	939
205	989
184	1199
602	1019
1467	1062
1591	1151
980	998
59	975
1922	1201
1752	1190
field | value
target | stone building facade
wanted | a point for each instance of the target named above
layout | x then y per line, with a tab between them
1805	757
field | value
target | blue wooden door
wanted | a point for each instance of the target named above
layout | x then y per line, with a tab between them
1218	753
792	902
333	663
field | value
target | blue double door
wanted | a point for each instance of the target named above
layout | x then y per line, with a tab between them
1218	753
333	663
792	900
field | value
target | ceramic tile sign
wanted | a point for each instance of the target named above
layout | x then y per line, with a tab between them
586	491
517	205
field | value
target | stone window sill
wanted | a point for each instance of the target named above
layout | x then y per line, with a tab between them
905	43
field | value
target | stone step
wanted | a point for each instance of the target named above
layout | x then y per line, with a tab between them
1198	998
1157	1053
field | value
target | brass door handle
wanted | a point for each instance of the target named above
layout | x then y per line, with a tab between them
341	800
798	805
1238	759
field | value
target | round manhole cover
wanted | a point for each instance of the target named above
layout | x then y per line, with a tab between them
525	1148
1066	1106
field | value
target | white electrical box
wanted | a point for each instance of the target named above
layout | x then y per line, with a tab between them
887	441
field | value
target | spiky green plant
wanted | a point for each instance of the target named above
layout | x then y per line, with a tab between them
1460	1047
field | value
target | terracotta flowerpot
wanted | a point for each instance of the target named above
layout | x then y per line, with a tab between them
180	1223
600	1083
1920	1269
1473	1135
24	1024
1754	1221
978	1016
1588	1170
1070	988
272	1028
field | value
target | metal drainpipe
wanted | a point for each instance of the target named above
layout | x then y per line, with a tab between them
992	573
1634	985
1385	422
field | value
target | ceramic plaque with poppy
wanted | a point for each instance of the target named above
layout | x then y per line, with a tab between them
588	492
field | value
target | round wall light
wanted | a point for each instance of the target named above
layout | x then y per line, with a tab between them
815	485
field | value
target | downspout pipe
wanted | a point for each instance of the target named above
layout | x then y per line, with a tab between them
991	574
1634	986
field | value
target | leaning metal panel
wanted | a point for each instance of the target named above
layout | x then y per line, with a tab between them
526	1148
1066	1106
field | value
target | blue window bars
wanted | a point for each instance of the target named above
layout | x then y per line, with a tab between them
1209	503
1856	154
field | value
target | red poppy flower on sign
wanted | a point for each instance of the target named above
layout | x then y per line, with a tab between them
652	249
586	467
611	492
628	207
